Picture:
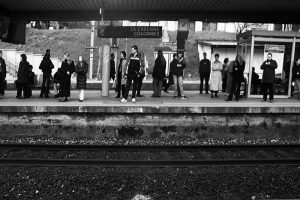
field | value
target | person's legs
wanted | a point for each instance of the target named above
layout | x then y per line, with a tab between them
238	90
168	84
43	86
265	91
180	85
155	87
206	77
118	88
271	91
175	85
123	90
46	91
160	83
128	86
201	82
81	94
139	85
134	87
19	90
232	89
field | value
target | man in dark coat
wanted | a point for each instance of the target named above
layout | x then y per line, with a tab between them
46	66
178	76
30	82
67	69
204	71
237	78
158	74
2	74
268	77
23	74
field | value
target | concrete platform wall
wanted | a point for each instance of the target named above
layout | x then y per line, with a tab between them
95	125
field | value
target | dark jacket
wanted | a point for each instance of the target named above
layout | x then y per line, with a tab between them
180	66
173	66
81	69
31	77
66	78
46	66
269	71
159	69
134	66
23	72
2	68
296	72
112	68
2	76
238	71
204	66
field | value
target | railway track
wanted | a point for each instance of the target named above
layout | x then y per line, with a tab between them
155	156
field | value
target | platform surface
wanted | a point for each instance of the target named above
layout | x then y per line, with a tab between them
95	103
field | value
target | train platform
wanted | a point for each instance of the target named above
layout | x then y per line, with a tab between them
95	103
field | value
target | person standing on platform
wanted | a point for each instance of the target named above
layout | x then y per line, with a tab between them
229	76
142	75
204	71
2	74
238	76
67	69
81	70
56	82
268	77
178	76
30	83
158	74
254	81
133	73
224	74
216	77
46	66
296	75
23	74
121	80
173	66
112	67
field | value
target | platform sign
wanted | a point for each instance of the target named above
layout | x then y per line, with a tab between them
130	32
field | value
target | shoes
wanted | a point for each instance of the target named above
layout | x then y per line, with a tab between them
117	97
46	96
184	98
139	95
56	96
80	100
123	100
133	100
228	99
211	95
264	100
271	101
64	100
216	95
17	97
166	91
154	95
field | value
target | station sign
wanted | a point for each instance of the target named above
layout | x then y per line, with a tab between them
130	32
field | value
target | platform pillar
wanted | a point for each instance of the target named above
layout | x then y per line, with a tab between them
105	71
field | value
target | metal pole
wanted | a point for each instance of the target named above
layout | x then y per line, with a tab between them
92	50
250	65
105	71
291	67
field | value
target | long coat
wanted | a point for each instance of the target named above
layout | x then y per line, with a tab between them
66	78
2	75
229	76
269	71
46	66
159	69
23	72
81	69
121	72
216	76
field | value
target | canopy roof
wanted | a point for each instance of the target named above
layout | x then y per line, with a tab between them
275	11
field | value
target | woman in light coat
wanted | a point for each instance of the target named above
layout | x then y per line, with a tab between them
216	77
